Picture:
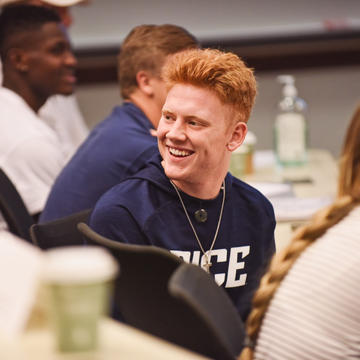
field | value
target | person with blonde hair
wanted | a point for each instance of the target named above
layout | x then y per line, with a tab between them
185	200
307	306
120	145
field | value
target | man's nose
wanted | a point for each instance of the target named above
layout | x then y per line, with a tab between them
177	131
70	59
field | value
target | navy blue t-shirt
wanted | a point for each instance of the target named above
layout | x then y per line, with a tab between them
115	149
145	209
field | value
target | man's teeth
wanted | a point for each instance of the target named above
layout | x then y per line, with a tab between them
179	152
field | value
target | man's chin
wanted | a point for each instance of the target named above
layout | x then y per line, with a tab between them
172	175
66	92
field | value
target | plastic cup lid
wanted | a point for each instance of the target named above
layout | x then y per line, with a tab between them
79	264
250	138
249	141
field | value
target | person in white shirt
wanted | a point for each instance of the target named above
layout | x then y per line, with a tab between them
60	112
307	305
37	63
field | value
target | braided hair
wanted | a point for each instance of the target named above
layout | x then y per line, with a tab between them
348	197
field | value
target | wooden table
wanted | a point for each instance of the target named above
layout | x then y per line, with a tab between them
316	179
117	342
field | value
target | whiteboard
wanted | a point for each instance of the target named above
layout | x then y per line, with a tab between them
105	23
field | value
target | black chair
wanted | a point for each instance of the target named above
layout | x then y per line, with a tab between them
60	232
145	271
13	209
145	302
213	308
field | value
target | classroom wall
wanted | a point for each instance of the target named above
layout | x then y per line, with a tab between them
331	94
106	22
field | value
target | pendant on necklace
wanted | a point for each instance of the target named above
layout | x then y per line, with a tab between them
207	263
206	266
201	215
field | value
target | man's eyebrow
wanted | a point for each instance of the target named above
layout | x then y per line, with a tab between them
166	111
186	117
196	118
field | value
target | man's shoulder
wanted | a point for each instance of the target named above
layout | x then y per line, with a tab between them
126	116
117	138
122	124
117	118
146	185
137	197
14	108
241	191
130	189
19	125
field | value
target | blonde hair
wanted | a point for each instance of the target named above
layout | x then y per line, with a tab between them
146	48
349	178
223	73
348	197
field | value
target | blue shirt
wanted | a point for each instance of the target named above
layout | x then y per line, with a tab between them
115	149
145	209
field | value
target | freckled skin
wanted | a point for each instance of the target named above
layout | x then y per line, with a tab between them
196	123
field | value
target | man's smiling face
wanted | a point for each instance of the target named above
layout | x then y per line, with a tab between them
193	134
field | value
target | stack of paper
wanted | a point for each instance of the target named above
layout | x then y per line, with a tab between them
298	209
273	189
287	206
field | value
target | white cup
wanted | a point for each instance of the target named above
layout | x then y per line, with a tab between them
79	279
241	162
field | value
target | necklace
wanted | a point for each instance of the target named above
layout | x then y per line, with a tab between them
201	215
207	255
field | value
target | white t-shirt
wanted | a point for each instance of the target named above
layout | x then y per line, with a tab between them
315	312
63	115
31	153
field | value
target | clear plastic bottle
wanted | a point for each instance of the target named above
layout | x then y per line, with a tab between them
290	128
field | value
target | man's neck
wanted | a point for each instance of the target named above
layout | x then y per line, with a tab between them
205	191
35	102
148	107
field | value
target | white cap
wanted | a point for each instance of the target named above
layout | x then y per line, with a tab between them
289	88
62	3
249	142
250	138
79	265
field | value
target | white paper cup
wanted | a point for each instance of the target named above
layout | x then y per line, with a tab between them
79	279
241	162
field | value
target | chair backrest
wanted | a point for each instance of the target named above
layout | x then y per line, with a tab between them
13	209
212	309
60	232
144	301
141	288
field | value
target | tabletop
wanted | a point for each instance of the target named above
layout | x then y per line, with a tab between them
300	191
116	341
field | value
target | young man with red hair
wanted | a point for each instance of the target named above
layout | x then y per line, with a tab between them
185	200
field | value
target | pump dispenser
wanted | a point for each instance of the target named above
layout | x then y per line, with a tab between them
290	128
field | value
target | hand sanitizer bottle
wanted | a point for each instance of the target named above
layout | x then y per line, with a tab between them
290	129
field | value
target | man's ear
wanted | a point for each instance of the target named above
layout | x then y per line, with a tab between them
144	84
18	58
237	136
